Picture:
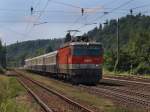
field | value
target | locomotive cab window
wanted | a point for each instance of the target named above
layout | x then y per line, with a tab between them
87	50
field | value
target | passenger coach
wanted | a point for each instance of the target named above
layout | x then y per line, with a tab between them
80	62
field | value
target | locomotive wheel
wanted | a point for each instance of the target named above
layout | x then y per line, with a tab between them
74	81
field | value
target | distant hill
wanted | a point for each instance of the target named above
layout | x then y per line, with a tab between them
19	51
134	39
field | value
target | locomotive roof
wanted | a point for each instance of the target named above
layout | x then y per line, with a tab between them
65	45
45	55
81	43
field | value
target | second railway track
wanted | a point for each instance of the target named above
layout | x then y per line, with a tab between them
128	93
50	100
134	85
121	96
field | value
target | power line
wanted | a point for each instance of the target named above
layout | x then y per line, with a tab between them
44	8
78	18
16	32
25	10
114	9
142	6
83	10
35	9
39	15
86	25
66	4
26	29
122	5
38	3
23	21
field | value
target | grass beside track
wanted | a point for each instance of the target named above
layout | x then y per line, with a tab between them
13	97
103	104
108	73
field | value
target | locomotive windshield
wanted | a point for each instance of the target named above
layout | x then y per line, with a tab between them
87	51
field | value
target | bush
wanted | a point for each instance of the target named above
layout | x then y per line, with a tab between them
142	68
9	90
2	70
109	60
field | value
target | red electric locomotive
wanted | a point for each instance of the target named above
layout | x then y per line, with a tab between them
80	62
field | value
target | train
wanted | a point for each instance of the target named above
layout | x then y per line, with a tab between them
78	62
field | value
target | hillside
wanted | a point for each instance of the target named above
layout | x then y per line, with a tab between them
134	39
16	53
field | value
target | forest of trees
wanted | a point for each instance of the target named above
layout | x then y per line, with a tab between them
2	57
134	39
18	52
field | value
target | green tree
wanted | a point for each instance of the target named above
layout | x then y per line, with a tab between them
68	37
2	55
48	49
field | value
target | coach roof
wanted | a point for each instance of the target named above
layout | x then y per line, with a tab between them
45	55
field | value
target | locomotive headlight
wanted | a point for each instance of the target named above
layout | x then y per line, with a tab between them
97	65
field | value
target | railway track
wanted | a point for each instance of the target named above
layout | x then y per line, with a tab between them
50	100
121	97
129	81
141	95
134	85
126	92
139	79
126	96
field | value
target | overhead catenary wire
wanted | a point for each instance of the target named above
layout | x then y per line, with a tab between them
141	6
11	30
78	18
78	11
114	9
26	29
111	11
37	11
44	9
85	24
39	16
66	4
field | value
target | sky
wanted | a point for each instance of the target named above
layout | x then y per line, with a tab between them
53	18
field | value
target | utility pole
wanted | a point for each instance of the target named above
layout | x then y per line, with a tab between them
5	56
131	12
82	11
118	53
31	9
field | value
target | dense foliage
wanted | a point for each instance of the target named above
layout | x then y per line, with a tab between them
18	52
2	57
134	39
134	47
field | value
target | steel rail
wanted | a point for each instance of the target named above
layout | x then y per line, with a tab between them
118	96
85	109
130	92
130	78
122	80
40	102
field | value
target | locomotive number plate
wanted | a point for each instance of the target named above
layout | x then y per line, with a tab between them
87	60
